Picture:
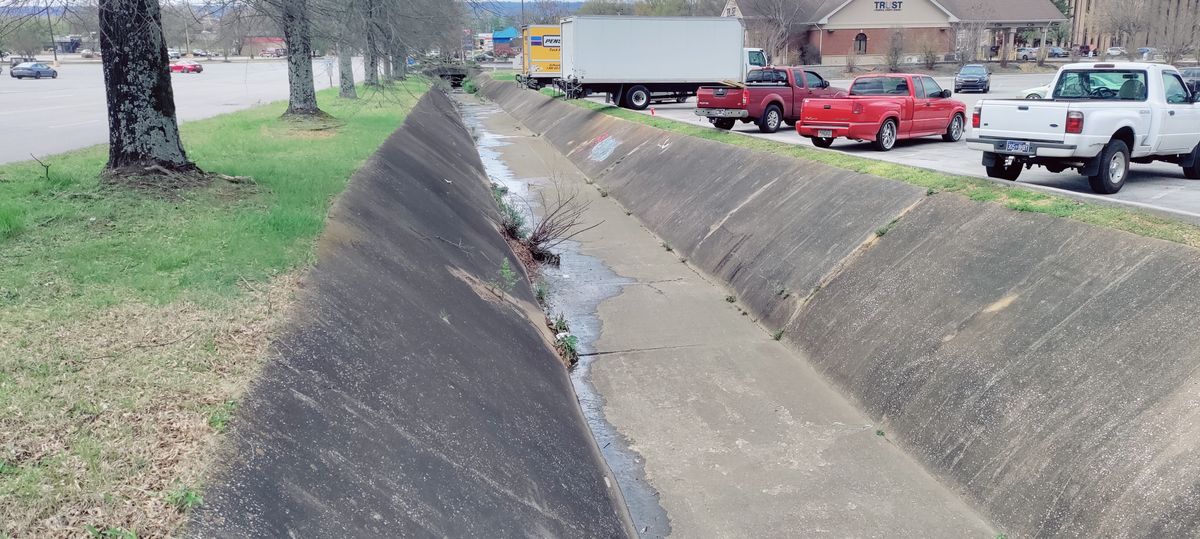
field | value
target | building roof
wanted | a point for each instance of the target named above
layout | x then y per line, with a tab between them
507	33
818	11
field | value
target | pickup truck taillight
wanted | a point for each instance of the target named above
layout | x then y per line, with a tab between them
1075	122
976	116
745	97
858	108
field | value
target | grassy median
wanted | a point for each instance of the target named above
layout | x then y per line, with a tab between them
131	320
1013	197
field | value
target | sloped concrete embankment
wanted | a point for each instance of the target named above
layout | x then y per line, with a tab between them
408	399
1044	368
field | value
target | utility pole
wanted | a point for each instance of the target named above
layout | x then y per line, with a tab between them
50	27
522	12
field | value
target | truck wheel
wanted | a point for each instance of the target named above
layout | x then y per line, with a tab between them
886	138
771	119
637	98
724	124
954	131
822	142
1005	170
1193	172
1114	167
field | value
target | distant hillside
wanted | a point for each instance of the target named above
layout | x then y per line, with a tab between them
513	9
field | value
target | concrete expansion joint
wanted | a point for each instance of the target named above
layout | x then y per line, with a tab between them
845	263
640	350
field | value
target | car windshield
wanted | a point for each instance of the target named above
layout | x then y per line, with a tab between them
1114	85
974	70
880	86
1191	73
26	65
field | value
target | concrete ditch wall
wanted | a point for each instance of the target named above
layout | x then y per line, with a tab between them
1044	368
408	399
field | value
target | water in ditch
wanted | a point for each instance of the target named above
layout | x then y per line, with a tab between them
577	287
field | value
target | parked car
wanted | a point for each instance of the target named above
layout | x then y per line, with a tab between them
200	53
1058	52
770	98
1115	52
33	70
1191	77
1147	53
1102	117
1035	93
1027	53
186	66
973	77
87	53
884	109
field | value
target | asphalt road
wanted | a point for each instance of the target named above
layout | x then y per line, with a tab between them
45	117
1158	187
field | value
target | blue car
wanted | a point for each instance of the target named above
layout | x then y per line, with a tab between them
33	70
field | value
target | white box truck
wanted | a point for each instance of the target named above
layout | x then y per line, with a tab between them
639	59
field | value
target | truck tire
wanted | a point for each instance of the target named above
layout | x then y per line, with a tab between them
1003	170
771	119
822	142
1193	172
885	139
954	131
637	98
1114	168
724	124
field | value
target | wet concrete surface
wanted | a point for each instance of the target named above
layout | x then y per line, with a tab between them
576	287
738	434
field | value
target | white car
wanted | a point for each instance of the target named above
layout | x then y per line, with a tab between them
1035	93
1114	52
1101	117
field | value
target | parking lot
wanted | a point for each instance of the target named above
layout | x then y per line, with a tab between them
45	117
1158	187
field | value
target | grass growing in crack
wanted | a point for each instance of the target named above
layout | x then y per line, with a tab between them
730	299
506	278
667	246
470	87
127	317
777	335
109	533
568	348
184	498
540	292
880	433
559	324
883	230
1013	197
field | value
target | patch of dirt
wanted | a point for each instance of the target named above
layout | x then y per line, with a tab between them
106	411
159	181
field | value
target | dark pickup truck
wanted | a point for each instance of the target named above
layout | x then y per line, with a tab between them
771	97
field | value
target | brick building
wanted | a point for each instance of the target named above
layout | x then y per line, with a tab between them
828	31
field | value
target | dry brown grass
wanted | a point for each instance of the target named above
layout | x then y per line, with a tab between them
108	413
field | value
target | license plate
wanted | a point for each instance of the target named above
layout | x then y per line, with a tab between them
825	133
1016	146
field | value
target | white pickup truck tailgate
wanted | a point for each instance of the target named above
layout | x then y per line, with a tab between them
1023	119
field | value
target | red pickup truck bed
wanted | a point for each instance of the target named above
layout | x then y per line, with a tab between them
884	109
771	96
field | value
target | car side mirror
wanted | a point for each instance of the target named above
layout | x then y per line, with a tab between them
824	84
946	94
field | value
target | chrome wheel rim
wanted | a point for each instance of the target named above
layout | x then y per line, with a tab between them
773	120
956	127
889	134
1116	168
639	98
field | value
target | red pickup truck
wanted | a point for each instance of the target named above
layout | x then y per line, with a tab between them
884	109
772	96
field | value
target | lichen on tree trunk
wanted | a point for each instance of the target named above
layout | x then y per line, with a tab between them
346	72
143	131
400	64
297	31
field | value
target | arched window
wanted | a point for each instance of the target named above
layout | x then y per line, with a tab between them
860	43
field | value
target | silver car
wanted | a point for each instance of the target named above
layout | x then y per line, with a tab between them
33	70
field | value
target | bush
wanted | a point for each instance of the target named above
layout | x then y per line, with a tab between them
852	60
810	55
470	87
895	51
929	53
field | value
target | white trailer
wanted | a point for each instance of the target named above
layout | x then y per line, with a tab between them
637	59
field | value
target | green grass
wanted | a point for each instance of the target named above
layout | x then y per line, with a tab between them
1013	197
504	75
132	320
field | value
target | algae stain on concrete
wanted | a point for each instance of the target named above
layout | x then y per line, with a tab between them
577	288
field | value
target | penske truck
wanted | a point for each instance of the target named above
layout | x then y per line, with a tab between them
638	60
541	55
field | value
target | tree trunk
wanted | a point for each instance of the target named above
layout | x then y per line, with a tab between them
302	93
142	129
400	64
371	55
346	72
387	69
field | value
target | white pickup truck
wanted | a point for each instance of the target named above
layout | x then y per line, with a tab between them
1097	118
